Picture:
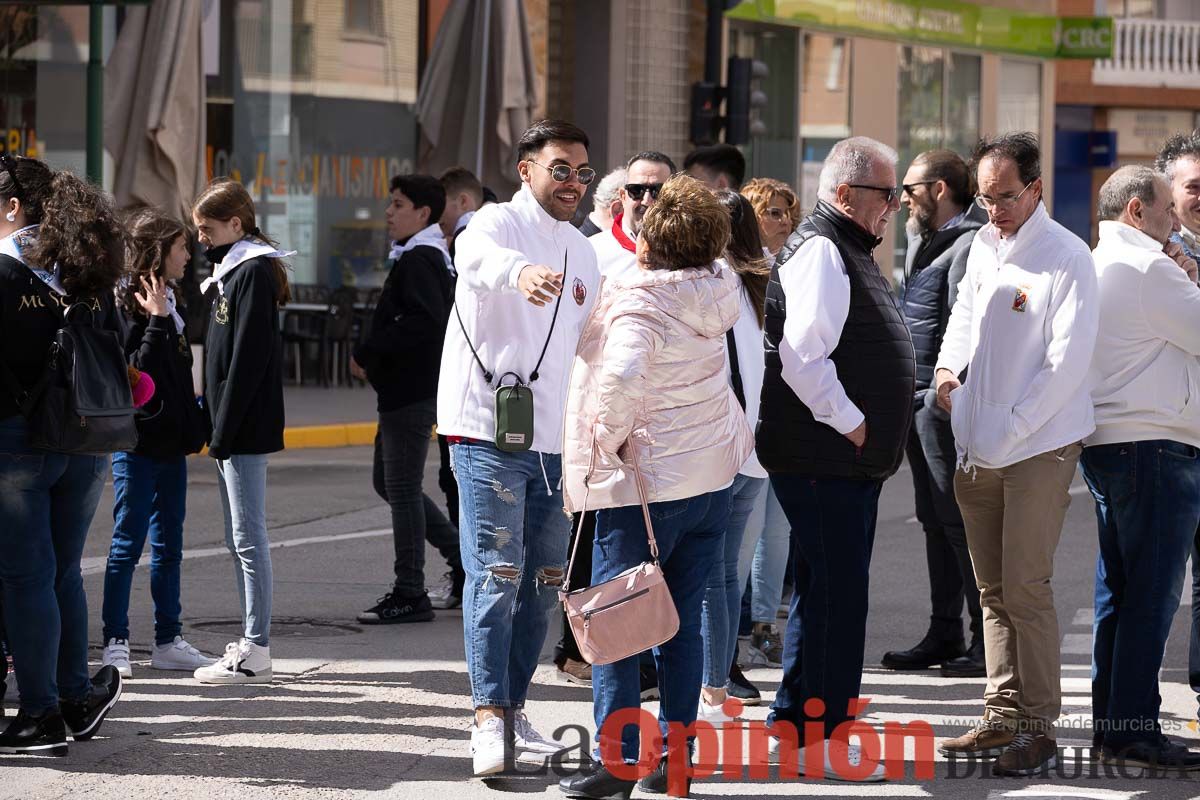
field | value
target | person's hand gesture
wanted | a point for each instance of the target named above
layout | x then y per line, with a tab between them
154	300
539	284
1185	262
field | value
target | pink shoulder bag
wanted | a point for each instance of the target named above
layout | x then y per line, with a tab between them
626	614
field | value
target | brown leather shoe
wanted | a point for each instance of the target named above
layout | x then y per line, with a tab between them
987	737
1028	754
577	672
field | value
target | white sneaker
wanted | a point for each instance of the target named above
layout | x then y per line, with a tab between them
750	656
713	715
487	747
116	654
178	655
851	754
243	662
442	596
528	741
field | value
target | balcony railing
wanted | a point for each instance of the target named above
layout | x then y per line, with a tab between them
1152	52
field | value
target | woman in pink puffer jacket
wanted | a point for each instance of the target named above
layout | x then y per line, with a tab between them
650	375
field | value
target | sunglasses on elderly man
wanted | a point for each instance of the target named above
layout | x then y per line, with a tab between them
638	190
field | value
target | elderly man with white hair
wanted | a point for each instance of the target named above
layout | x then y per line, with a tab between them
1143	463
836	407
606	203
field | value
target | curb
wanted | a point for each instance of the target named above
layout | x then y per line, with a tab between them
341	435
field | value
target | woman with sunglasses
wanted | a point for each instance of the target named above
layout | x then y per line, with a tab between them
60	246
777	209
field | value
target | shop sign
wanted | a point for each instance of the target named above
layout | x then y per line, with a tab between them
943	22
1142	131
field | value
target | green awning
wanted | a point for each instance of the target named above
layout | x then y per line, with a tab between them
942	22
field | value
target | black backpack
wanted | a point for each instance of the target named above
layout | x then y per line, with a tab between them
83	404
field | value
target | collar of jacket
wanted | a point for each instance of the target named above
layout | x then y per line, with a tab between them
851	230
1026	236
532	213
618	232
1112	229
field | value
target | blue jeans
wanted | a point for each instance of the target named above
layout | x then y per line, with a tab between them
513	537
243	485
723	594
689	536
47	501
1148	507
150	497
764	555
833	522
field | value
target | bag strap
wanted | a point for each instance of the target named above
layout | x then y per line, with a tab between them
533	376
735	376
637	474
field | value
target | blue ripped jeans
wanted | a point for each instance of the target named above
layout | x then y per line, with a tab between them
513	537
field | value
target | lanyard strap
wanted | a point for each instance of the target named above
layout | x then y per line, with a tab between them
533	376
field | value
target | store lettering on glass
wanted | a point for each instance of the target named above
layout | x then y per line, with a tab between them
320	175
21	141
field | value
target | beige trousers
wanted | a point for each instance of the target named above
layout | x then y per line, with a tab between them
1014	518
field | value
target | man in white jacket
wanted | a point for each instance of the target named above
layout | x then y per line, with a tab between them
1143	462
527	281
615	246
1025	323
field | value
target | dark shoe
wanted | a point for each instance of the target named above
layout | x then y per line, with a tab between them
576	672
394	608
1163	754
1028	754
595	782
649	678
83	717
657	783
739	686
35	736
987	737
970	665
933	649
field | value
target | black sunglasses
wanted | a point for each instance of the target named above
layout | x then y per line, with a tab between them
910	189
891	191
10	166
638	190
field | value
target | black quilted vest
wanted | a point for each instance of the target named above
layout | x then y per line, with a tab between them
874	360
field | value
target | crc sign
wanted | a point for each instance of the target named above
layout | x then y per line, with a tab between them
1084	37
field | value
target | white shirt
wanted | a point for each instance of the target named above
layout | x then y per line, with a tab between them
614	258
1145	373
817	288
752	365
508	331
1025	320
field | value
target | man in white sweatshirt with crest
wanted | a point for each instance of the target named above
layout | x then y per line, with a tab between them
1023	329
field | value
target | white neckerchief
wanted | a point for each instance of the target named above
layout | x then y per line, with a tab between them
173	311
427	237
18	240
241	252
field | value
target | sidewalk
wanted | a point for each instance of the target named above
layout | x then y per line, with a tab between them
334	417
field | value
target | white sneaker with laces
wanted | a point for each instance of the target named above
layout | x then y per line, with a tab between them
442	596
487	747
850	754
528	741
178	655
713	715
116	654
243	662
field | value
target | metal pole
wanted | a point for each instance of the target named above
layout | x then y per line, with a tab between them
95	94
483	86
712	42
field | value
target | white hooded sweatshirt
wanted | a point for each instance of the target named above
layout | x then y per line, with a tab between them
1025	321
508	331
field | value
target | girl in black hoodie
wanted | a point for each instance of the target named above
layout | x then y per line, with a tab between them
150	483
243	387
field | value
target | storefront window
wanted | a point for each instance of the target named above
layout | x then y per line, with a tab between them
1020	104
315	119
824	107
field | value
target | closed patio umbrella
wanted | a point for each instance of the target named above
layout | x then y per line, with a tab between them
479	92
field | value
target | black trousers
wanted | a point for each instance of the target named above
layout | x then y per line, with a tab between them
581	577
932	458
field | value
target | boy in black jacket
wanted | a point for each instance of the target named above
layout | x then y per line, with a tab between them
401	356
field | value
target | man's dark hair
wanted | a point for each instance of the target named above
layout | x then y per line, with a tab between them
457	180
654	156
948	166
1021	148
723	158
1181	145
425	191
544	131
489	196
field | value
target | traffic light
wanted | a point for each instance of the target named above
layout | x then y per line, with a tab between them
743	99
706	114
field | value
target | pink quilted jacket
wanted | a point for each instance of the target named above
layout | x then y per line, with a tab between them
650	373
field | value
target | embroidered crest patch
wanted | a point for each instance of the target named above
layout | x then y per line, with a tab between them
1021	299
579	292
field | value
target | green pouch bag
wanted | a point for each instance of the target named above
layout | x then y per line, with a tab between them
514	418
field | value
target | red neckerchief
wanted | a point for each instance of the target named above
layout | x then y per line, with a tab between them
619	233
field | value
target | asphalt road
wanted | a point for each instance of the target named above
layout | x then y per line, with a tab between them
362	712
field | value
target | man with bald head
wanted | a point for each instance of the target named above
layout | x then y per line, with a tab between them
1141	464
